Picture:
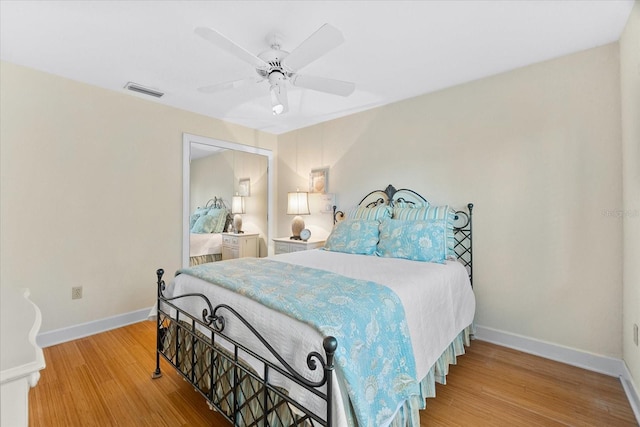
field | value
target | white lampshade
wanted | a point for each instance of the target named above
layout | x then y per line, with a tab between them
237	205
297	204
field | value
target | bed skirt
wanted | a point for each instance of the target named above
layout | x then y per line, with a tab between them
197	357
408	414
202	259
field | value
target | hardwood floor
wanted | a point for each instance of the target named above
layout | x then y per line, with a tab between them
105	380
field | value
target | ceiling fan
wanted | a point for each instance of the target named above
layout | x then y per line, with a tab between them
279	67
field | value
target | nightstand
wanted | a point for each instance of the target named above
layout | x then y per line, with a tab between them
240	245
284	245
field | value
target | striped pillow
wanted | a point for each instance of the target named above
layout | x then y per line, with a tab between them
221	219
403	204
375	213
431	212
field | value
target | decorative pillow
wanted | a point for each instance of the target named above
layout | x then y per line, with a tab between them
375	213
192	220
431	212
220	215
201	211
354	236
205	224
403	204
417	240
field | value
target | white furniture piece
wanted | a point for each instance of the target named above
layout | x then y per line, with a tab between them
285	245
240	245
21	359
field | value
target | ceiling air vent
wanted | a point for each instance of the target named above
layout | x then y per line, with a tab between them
144	90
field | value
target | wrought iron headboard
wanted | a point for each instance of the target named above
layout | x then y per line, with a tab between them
461	226
216	202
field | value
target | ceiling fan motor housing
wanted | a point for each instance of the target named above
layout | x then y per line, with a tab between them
275	72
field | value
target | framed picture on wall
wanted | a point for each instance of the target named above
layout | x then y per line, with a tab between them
244	187
319	180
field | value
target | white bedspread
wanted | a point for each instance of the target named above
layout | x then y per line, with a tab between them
205	244
438	301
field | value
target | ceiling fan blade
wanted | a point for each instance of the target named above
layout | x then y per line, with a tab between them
322	41
229	46
336	87
218	87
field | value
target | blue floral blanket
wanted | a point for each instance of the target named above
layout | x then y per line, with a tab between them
374	355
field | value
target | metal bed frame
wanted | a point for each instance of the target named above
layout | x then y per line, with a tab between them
229	385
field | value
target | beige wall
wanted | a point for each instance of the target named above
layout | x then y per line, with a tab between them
630	90
91	192
538	150
211	176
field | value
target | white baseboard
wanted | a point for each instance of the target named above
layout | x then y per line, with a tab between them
82	330
582	359
632	392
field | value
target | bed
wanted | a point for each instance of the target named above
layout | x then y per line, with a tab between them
206	226
351	334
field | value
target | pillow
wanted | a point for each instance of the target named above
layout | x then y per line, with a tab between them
354	236
205	224
192	220
375	213
431	212
201	211
220	215
404	204
416	240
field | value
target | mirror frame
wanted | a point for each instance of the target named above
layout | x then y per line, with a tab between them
187	139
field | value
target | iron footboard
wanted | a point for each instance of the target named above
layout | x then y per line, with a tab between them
229	384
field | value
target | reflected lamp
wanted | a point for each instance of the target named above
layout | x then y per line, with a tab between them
237	208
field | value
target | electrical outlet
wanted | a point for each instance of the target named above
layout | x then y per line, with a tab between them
635	333
76	292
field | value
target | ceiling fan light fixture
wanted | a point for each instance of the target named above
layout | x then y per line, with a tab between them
277	109
278	99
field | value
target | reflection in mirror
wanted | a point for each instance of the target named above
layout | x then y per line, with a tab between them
214	172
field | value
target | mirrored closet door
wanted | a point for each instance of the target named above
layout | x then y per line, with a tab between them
221	177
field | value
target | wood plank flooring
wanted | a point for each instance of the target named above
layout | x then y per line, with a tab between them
105	380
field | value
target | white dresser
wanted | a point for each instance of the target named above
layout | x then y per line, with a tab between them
284	245
240	245
21	359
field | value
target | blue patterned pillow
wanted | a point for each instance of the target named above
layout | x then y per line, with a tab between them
201	211
192	220
375	213
204	224
428	213
354	236
417	240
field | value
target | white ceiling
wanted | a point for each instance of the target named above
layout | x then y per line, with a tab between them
393	50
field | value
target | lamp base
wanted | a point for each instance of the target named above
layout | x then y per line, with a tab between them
237	224
297	225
